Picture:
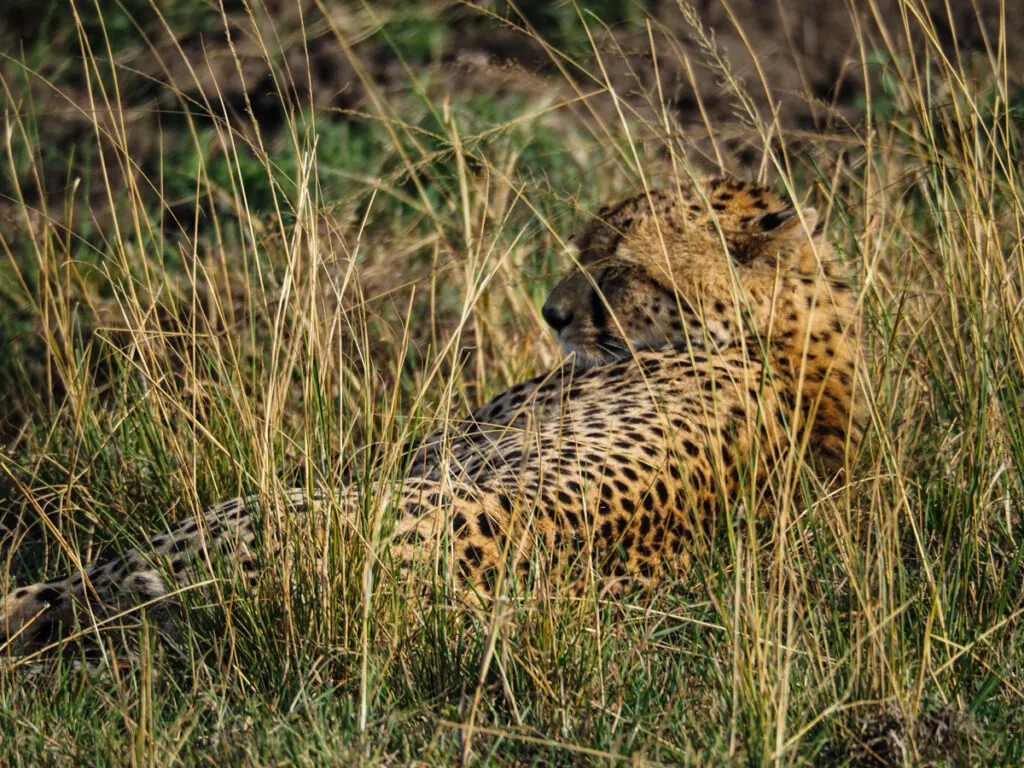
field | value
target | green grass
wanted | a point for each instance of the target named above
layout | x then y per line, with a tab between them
210	311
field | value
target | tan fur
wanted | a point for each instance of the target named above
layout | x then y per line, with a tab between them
709	331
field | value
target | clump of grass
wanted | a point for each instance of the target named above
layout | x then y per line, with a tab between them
251	312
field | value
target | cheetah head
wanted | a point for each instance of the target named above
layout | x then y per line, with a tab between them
689	266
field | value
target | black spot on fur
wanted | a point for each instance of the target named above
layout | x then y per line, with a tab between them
50	595
662	492
413	537
485	525
474	555
415	510
179	546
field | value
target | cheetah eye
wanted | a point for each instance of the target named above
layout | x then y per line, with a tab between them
768	222
775	223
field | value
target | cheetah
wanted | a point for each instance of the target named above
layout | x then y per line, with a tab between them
709	331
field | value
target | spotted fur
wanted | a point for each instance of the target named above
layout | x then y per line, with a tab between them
709	330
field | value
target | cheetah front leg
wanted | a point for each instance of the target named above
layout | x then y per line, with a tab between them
437	522
34	615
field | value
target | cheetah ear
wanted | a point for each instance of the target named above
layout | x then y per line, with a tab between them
786	223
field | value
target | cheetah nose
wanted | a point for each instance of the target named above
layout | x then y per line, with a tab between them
556	318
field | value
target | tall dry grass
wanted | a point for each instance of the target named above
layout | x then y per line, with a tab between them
323	295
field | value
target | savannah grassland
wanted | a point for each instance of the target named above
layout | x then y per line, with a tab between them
249	246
